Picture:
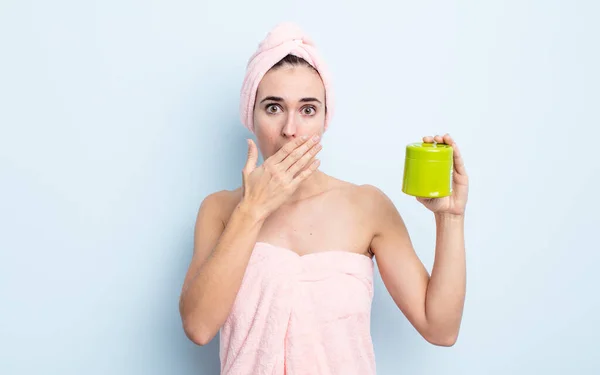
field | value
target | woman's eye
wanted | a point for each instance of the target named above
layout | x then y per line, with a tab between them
309	110
272	108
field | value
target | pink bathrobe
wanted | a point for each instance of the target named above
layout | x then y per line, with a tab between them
301	315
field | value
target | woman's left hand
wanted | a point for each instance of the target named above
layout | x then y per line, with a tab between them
454	204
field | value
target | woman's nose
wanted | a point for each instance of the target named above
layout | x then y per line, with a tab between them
289	129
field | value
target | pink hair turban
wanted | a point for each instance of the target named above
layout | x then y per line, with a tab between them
285	38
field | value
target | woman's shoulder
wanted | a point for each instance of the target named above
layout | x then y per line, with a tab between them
368	196
222	202
224	196
356	190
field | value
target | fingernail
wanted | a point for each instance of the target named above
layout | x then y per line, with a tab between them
304	137
316	138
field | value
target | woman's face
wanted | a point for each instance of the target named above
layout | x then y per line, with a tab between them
290	103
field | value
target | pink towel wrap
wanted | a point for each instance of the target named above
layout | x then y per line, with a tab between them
285	38
301	315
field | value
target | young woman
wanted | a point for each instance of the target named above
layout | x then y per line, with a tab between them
283	265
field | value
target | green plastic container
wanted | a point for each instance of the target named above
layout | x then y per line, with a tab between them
428	170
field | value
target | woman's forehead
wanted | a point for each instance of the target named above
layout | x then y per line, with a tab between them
291	84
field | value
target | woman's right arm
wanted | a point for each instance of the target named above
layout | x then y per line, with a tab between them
221	255
222	252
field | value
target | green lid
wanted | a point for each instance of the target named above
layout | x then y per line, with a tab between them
429	151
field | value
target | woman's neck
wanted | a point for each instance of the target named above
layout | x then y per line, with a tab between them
313	185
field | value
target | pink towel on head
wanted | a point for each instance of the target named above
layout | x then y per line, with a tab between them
286	38
300	315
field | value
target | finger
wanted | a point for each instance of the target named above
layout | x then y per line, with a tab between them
295	155
252	157
424	200
428	139
305	159
438	139
448	139
305	173
459	165
287	149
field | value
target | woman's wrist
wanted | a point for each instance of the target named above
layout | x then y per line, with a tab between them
449	217
250	212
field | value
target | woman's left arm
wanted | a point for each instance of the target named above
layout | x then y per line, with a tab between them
433	304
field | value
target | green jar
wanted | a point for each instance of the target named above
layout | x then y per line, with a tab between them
428	170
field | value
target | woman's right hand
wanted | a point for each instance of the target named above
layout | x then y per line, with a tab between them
267	187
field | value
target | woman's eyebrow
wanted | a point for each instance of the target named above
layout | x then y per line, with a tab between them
272	98
310	100
278	99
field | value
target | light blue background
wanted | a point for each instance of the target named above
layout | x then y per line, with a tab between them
118	117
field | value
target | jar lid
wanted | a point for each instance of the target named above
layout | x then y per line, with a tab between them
429	151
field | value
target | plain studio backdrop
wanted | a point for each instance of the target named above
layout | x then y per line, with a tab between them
118	117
